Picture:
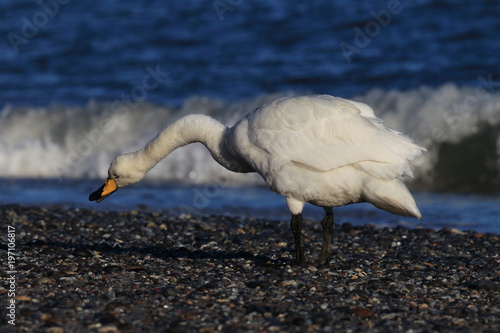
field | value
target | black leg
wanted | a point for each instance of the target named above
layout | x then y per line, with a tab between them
327	224
296	225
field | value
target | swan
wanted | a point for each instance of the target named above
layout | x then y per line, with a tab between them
320	149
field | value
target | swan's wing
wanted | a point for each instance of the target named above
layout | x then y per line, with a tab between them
324	133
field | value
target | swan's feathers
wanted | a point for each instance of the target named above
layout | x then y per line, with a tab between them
324	133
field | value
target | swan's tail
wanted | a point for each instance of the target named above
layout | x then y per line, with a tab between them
391	196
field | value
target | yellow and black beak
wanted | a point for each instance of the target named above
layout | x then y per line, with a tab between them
104	191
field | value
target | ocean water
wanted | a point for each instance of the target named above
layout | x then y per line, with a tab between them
81	82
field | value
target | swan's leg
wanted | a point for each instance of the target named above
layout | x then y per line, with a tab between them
327	225
296	225
296	207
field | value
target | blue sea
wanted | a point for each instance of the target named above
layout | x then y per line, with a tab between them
429	69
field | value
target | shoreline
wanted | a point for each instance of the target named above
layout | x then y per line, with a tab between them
98	271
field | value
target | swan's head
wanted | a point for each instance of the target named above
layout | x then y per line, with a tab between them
123	171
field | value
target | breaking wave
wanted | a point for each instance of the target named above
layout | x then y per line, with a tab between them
460	127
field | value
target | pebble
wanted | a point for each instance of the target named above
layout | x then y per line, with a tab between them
82	253
89	271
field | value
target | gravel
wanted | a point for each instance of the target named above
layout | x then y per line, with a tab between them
92	271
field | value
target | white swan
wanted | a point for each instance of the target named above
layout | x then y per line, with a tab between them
324	150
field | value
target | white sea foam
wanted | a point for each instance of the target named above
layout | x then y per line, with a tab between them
79	142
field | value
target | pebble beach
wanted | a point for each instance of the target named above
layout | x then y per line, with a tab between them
80	270
196	248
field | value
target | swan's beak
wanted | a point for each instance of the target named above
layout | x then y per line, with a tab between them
104	191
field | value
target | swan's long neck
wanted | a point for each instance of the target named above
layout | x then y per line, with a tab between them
189	129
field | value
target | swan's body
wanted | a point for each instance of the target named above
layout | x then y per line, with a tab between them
324	150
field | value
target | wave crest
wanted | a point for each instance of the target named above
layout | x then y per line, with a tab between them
460	127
